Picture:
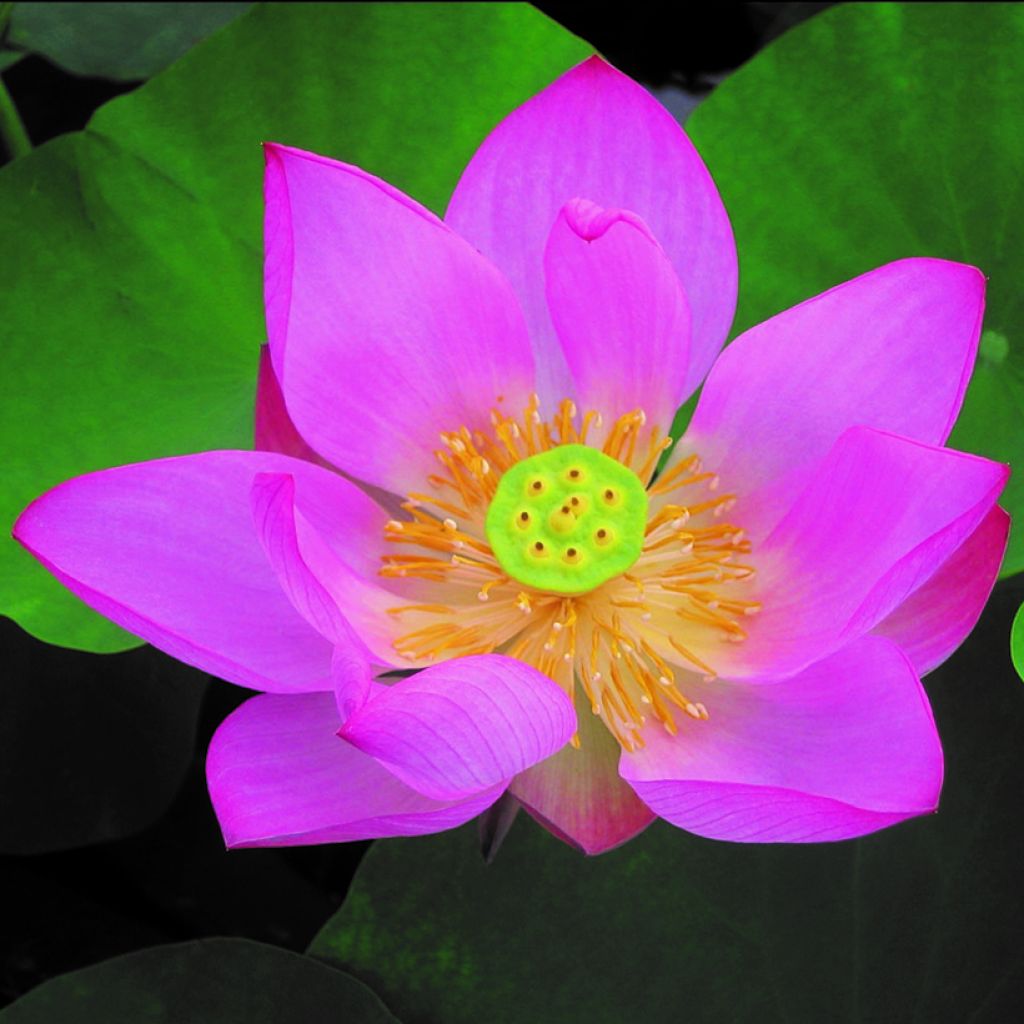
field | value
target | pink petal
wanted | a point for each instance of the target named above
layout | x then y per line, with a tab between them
463	726
273	510
595	134
167	550
578	794
846	747
323	590
892	349
936	619
274	430
352	674
620	313
385	327
880	516
279	776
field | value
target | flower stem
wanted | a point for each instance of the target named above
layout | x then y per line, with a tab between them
13	136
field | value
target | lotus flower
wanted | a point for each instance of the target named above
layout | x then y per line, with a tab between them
478	563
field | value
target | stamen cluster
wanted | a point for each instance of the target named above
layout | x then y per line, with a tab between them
621	643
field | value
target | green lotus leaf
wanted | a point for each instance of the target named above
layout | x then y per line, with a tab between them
873	132
132	304
211	981
116	40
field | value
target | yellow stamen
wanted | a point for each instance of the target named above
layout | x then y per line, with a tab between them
632	642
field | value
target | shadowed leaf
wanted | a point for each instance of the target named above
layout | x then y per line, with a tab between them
213	981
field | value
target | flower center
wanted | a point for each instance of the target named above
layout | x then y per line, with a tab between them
567	520
637	585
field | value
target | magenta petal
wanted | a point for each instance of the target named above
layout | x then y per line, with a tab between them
275	432
273	511
167	550
932	623
846	747
273	427
892	349
620	313
463	726
324	591
385	327
353	679
577	794
596	134
279	776
880	516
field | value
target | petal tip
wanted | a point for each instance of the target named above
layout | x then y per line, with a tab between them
965	276
590	222
273	151
24	527
597	67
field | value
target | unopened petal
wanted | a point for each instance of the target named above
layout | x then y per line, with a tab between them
620	313
596	134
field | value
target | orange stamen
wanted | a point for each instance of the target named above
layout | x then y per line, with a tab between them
631	642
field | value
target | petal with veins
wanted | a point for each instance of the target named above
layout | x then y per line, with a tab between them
463	726
892	349
167	550
846	747
935	620
385	327
279	776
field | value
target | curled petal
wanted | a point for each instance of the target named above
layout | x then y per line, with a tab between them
846	747
620	312
935	620
324	591
464	726
279	776
167	550
273	510
353	678
595	133
385	327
